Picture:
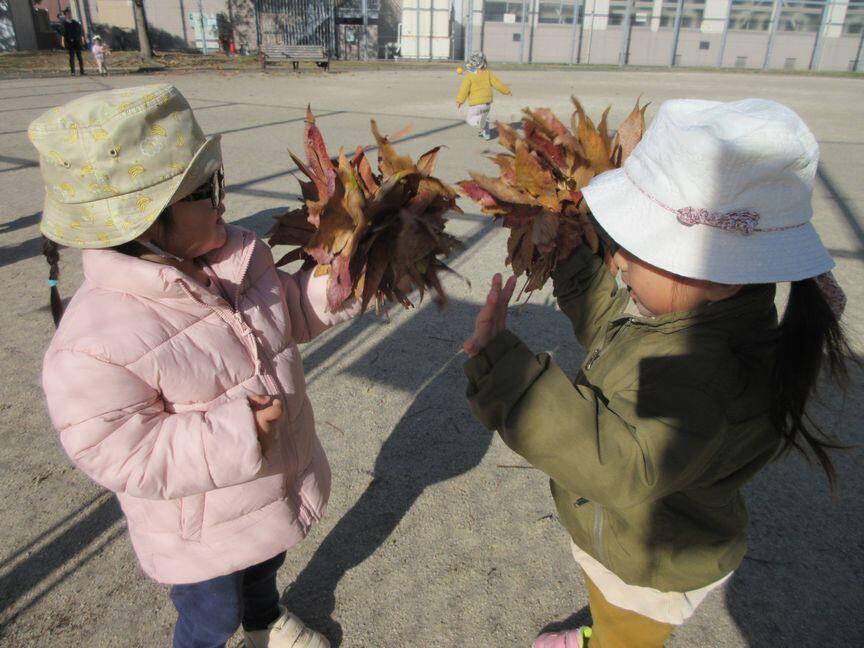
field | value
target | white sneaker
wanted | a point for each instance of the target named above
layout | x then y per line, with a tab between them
288	631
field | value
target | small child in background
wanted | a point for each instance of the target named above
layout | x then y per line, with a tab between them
690	385
477	89
100	50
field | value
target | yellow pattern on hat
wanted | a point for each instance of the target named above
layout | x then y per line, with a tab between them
111	162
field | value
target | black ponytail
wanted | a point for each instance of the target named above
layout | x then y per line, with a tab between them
52	254
810	334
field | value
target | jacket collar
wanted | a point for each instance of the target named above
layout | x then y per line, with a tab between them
752	309
119	272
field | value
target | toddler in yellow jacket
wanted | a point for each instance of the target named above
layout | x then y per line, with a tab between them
477	89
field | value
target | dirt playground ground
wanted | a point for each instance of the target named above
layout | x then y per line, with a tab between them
433	538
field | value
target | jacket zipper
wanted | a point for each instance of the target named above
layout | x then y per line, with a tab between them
595	355
598	533
235	320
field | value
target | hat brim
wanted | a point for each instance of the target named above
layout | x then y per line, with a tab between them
656	236
118	219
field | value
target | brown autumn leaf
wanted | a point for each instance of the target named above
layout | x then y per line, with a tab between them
367	231
538	192
629	133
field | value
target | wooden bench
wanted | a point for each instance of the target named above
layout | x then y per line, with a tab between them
294	53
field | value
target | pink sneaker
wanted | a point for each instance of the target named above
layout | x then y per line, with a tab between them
577	638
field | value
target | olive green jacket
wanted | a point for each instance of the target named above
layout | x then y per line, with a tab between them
648	450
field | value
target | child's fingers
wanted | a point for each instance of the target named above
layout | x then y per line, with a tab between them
274	412
471	347
504	301
261	400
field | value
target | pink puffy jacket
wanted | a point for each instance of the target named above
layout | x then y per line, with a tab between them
147	381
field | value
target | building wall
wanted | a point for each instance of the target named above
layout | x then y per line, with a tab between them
651	44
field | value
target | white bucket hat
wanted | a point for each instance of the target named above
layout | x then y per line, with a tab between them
112	161
717	191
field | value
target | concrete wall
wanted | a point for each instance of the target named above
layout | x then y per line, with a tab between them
651	44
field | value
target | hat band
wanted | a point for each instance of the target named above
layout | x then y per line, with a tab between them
739	220
745	222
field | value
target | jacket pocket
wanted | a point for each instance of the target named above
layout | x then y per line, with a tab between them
191	516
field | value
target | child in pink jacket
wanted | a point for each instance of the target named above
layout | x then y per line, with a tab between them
174	378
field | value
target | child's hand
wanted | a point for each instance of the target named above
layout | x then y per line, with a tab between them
492	318
458	104
266	409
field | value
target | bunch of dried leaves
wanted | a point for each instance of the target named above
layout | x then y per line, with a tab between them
374	234
538	192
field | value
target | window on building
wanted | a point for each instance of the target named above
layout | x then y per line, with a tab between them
704	45
691	14
640	12
740	61
789	64
557	13
502	11
751	15
801	16
854	22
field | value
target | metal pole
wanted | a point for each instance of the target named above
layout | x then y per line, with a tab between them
365	28
679	8
183	22
203	33
577	24
469	30
859	64
623	53
257	25
417	28
332	29
775	21
726	24
522	36
591	32
431	25
820	35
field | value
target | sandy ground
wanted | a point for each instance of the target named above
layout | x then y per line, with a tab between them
431	539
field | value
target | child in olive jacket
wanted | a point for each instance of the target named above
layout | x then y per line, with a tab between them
689	386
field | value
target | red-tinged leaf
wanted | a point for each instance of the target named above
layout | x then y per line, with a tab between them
501	191
545	118
507	136
506	167
316	153
340	286
476	193
364	170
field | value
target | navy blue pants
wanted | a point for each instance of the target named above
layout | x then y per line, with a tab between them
210	612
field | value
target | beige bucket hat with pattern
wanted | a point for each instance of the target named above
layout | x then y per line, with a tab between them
112	161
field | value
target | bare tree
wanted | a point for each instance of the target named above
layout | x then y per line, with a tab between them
143	34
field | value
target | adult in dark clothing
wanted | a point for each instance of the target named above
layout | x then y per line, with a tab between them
73	40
